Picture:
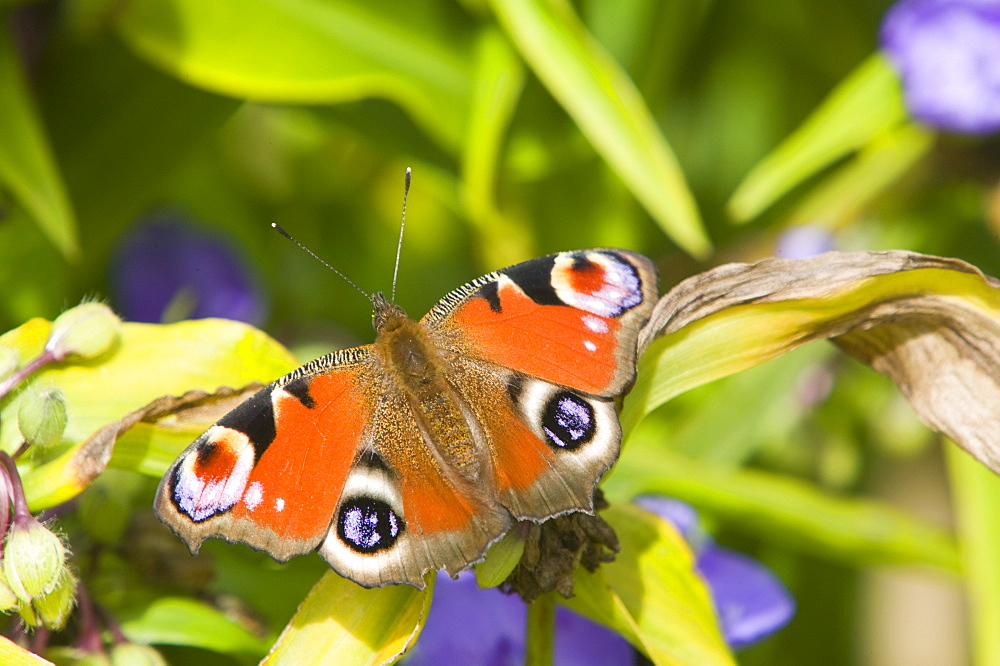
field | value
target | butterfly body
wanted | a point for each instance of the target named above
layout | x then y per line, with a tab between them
421	450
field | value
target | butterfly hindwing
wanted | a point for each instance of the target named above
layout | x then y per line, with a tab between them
546	348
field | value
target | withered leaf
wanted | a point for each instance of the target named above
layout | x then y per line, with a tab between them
932	324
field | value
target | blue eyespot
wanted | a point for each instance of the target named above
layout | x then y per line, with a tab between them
568	421
368	525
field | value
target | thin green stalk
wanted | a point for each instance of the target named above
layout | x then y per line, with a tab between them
977	502
540	634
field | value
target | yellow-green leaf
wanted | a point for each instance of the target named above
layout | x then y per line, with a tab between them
310	51
977	504
14	655
651	594
180	621
342	623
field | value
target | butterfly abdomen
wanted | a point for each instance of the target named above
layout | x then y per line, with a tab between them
418	373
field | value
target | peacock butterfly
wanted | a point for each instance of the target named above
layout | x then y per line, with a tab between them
419	451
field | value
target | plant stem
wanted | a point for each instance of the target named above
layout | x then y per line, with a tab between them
21	373
540	633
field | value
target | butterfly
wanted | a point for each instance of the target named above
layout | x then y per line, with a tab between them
421	450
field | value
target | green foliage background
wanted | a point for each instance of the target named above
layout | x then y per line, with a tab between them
531	127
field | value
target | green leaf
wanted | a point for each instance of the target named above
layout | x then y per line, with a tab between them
651	595
27	167
342	623
182	621
784	510
311	51
604	102
865	104
977	503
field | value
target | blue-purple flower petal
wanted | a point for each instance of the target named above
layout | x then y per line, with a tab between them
750	601
947	53
164	261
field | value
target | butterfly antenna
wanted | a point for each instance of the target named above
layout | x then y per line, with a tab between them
399	245
277	227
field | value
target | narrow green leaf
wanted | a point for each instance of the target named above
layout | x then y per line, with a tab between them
498	79
865	104
311	51
183	621
784	510
27	167
977	501
604	102
651	594
342	623
878	166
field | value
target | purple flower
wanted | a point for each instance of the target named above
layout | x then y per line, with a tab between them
803	241
168	269
750	602
947	53
468	625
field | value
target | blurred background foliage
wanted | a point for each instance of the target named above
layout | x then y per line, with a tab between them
530	128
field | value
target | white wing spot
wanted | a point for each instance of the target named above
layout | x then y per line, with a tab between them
595	324
254	495
590	345
279	504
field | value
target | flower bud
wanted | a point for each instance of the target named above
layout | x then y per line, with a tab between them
34	559
28	614
7	598
54	608
88	330
41	416
133	654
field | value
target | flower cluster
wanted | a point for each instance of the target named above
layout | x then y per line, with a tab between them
947	53
35	579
